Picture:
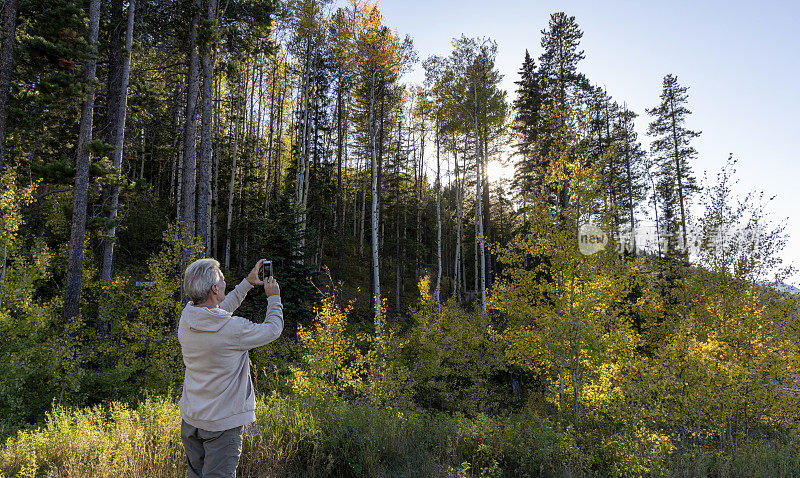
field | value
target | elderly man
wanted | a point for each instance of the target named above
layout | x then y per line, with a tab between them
218	397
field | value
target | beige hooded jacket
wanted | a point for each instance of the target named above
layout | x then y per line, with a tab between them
217	389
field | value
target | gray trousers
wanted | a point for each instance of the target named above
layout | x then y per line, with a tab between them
211	454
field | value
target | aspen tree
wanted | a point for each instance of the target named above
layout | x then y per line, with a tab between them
382	56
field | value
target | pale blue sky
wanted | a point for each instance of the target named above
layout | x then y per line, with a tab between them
740	60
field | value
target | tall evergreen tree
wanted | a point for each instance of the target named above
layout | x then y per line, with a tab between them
6	64
80	195
558	64
560	83
672	151
527	106
118	77
188	194
632	156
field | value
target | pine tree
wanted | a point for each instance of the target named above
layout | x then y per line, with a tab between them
558	64
72	293
634	187
560	84
188	195
672	151
527	106
6	64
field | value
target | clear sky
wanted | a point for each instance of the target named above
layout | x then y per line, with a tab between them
740	60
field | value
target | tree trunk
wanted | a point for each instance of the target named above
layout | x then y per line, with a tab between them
302	158
480	238
376	286
363	214
487	225
438	222
215	171
397	264
72	294
174	183
231	185
477	258
457	266
204	169
678	174
418	191
6	66
339	202
269	140
188	187
278	161
142	151
630	187
380	168
116	115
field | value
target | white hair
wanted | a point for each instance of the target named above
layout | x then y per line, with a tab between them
199	277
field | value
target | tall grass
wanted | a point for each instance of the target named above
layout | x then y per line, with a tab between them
299	437
101	441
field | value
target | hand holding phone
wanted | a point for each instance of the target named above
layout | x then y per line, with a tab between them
253	277
271	287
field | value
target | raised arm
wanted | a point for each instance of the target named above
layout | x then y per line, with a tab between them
255	335
235	297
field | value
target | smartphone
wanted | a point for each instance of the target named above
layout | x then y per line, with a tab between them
266	270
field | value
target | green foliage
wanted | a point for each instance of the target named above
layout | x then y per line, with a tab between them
333	365
145	342
12	200
452	356
341	364
30	359
277	238
47	82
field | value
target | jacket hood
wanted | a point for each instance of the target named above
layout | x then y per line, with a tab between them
203	319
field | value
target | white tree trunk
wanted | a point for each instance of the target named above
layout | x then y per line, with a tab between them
438	220
302	158
376	288
459	220
478	205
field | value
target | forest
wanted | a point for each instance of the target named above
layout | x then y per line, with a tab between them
603	312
